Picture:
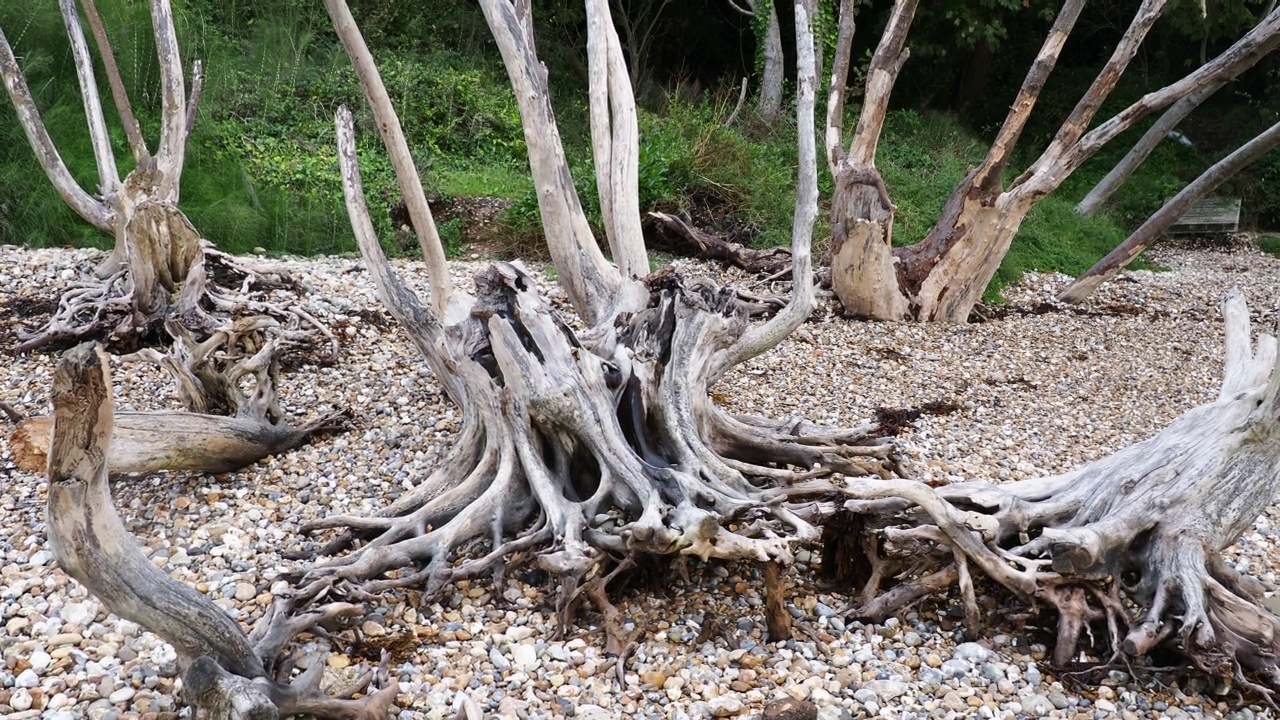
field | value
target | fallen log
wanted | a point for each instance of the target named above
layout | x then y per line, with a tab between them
145	442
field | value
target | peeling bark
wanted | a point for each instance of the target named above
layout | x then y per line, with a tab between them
1129	545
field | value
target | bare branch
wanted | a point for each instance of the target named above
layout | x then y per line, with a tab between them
398	148
1168	214
1242	55
193	102
108	175
768	335
1138	154
93	210
118	93
839	85
615	142
1076	123
173	115
589	280
992	169
885	66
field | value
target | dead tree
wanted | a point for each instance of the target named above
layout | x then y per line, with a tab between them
1138	154
563	428
944	275
163	283
226	674
1142	149
1129	546
1168	214
769	38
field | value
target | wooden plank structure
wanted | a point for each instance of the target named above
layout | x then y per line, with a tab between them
1210	215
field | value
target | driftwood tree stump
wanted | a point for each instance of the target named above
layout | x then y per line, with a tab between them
226	673
563	428
163	284
1130	544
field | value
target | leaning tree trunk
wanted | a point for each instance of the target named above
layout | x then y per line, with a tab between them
1168	214
1142	149
226	674
563	428
1130	544
943	276
162	281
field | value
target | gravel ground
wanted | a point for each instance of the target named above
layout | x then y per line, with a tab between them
1036	394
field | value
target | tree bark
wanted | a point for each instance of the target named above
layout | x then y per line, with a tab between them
863	267
771	77
1128	545
942	277
1177	206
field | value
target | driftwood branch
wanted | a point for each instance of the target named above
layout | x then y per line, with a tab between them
225	674
1168	214
150	442
398	148
119	95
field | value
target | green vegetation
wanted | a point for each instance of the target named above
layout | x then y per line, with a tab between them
1269	244
262	170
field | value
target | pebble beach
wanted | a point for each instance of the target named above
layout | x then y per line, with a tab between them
1031	393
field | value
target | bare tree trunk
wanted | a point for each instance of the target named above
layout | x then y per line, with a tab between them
942	277
1177	206
771	77
863	274
1156	134
226	673
1126	548
193	442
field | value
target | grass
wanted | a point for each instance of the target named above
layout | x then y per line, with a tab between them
1269	244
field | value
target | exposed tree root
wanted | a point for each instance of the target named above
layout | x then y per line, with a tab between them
612	449
1129	545
226	339
227	674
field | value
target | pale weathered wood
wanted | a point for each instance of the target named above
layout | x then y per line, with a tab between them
150	442
398	148
108	175
225	672
593	285
942	277
863	271
85	205
561	427
1151	520
615	142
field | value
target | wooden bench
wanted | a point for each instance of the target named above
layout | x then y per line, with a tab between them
1210	215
